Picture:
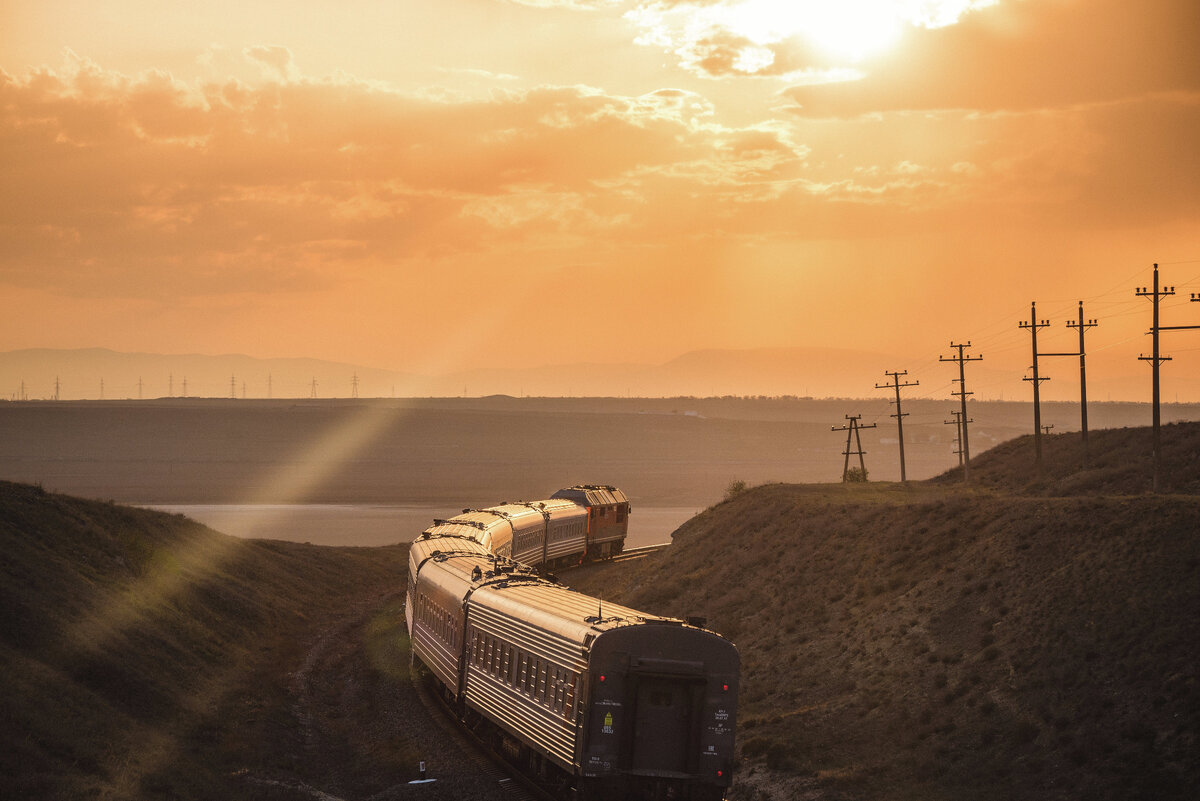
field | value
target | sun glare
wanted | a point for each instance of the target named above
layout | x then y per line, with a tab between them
847	30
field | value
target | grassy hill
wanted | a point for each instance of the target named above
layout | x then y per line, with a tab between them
939	642
144	655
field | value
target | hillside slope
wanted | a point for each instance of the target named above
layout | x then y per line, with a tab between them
1120	462
146	656
940	643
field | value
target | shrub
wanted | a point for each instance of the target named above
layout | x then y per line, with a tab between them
735	488
856	475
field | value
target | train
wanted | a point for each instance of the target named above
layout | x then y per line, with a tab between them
590	699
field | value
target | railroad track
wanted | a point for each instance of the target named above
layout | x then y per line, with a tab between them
638	553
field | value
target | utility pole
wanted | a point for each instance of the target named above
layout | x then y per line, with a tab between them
899	415
313	394
964	440
269	386
57	387
1155	359
354	386
139	387
1083	326
1033	325
1046	429
170	385
852	430
959	424
184	386
101	389
232	387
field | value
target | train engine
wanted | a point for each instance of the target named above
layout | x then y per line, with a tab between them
593	698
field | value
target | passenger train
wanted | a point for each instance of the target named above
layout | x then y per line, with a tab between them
590	699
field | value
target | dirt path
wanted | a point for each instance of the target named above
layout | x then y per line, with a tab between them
358	727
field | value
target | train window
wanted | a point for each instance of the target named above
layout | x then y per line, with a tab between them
569	701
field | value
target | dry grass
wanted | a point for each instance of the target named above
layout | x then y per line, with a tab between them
143	654
936	642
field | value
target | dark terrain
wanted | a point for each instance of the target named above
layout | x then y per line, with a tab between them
1035	635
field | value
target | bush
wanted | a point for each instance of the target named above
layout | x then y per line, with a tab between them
856	475
735	488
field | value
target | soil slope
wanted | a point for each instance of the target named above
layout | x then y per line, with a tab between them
147	657
935	642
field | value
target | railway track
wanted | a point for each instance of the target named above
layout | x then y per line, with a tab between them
638	553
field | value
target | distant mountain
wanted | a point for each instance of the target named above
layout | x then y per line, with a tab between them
817	372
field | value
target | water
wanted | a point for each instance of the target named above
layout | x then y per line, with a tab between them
373	525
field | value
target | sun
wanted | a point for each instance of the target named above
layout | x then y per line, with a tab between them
844	31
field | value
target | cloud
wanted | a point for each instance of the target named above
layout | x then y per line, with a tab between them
1026	55
144	185
275	60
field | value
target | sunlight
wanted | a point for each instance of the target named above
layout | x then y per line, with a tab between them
847	31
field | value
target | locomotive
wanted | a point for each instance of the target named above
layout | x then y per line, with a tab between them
591	699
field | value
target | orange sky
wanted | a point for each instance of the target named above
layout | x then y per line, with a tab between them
434	186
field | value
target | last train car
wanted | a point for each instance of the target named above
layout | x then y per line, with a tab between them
611	702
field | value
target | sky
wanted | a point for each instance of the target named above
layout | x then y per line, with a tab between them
431	187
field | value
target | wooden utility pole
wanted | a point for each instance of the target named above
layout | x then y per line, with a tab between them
1155	358
1083	326
963	440
1033	325
899	415
852	429
957	422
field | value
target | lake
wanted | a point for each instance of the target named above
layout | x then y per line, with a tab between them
371	525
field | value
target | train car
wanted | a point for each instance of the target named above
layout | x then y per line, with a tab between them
599	698
577	524
608	517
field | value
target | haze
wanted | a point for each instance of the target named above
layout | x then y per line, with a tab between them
434	187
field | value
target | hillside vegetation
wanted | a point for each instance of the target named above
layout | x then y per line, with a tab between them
146	656
1038	638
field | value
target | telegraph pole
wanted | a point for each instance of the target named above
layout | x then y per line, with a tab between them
1155	359
354	386
899	415
1033	325
1083	326
964	440
959	424
57	387
852	430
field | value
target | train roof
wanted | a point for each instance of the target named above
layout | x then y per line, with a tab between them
509	588
592	494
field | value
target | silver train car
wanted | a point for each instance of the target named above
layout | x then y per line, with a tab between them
577	524
592	699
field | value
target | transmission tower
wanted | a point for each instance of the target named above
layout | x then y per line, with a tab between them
899	415
313	393
1155	359
964	441
1033	325
101	389
852	429
232	387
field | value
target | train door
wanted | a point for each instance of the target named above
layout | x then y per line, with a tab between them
662	728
